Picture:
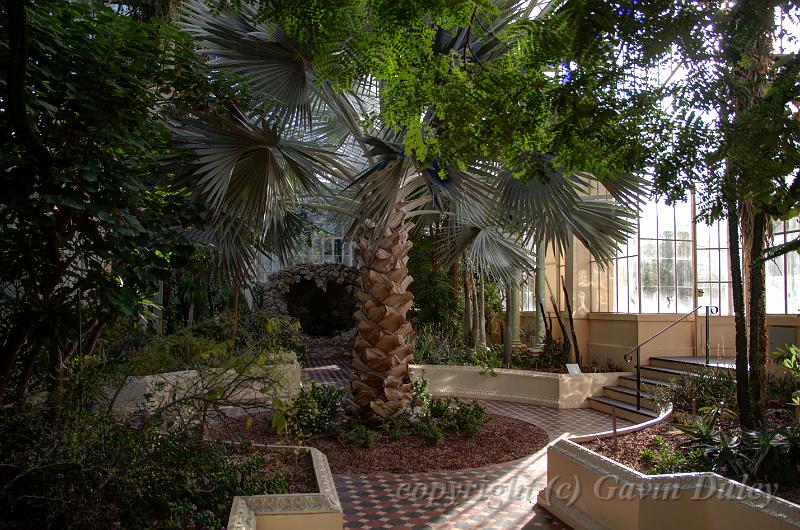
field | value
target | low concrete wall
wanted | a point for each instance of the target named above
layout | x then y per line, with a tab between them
150	392
588	491
292	511
563	391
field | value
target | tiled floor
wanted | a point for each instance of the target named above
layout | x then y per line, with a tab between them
497	497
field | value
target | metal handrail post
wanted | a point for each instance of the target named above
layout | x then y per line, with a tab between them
638	379
708	339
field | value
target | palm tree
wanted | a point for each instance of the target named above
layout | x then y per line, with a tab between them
306	143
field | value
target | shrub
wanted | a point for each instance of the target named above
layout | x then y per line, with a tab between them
315	409
395	428
430	430
663	459
707	388
470	418
93	472
360	436
172	353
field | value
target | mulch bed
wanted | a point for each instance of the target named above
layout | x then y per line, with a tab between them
500	440
629	448
298	468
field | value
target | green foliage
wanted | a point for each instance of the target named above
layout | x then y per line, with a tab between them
172	353
709	387
315	409
436	345
662	459
780	390
469	418
93	472
100	86
396	428
430	430
434	304
360	436
764	454
789	357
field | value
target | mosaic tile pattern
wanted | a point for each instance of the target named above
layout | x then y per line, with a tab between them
328	371
498	497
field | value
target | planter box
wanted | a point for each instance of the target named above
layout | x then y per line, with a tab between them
589	491
563	391
294	511
149	392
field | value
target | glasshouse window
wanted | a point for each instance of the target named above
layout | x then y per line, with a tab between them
713	266
783	273
654	272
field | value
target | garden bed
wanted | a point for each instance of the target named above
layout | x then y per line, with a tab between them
665	437
501	439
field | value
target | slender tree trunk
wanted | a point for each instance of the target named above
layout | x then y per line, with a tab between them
758	339
737	287
571	322
235	313
8	355
454	287
380	383
481	313
467	324
475	333
190	320
508	347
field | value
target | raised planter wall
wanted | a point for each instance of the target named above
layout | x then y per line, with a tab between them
149	392
563	391
589	491
293	511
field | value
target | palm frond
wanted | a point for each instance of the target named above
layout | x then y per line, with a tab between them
246	166
276	67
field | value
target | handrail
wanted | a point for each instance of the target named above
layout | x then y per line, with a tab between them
629	353
638	349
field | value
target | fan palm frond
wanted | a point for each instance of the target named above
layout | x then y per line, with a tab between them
243	165
275	66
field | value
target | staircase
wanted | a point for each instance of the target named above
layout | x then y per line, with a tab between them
659	372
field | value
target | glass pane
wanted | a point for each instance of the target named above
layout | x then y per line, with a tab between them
683	221
649	300
633	286
776	297
793	283
725	299
666	271
648	220
683	273
793	224
724	265
622	286
649	269
666	221
702	236
685	299
713	265
702	265
723	233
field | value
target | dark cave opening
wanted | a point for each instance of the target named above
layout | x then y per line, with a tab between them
321	313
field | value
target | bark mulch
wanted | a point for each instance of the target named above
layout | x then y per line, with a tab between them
629	448
501	439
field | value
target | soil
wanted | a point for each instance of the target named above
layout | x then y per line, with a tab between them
629	448
501	439
298	467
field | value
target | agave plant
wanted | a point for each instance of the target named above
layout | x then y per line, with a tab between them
306	143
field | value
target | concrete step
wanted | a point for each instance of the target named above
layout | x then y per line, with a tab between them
663	374
628	395
623	409
630	382
687	365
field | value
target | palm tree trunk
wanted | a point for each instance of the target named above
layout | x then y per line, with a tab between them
380	383
467	322
758	338
737	287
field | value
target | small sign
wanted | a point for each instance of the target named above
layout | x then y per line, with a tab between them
573	369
